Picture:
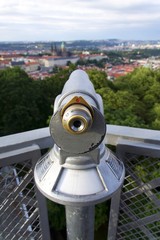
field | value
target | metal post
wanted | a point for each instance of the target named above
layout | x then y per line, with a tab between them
80	223
113	217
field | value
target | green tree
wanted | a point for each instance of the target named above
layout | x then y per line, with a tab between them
98	78
26	104
19	111
56	214
143	85
120	108
156	114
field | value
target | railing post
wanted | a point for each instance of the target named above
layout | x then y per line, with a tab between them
113	216
23	211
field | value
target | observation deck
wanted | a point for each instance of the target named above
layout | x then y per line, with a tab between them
134	212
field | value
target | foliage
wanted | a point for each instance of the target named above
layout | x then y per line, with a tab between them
56	213
26	104
101	213
132	100
134	54
17	102
89	62
98	78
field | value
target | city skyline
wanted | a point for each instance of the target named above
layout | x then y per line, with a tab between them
52	20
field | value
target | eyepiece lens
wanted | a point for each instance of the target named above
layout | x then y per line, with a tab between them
77	123
77	119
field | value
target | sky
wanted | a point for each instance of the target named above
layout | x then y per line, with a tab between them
67	20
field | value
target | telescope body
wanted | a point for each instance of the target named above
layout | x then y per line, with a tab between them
79	84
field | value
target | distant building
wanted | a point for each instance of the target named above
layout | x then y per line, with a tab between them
51	61
119	70
54	50
152	62
17	63
97	57
39	75
62	47
31	66
4	64
60	51
11	57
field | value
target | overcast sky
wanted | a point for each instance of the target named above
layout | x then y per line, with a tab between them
52	20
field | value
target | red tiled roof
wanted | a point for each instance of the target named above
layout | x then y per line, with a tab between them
31	63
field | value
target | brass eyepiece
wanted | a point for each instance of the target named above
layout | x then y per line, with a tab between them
77	119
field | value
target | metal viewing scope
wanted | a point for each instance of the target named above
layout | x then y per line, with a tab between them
79	170
78	125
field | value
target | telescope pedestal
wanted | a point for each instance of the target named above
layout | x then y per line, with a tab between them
80	222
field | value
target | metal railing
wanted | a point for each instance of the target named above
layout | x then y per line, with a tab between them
134	212
23	210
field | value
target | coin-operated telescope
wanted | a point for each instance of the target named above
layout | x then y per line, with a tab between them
79	171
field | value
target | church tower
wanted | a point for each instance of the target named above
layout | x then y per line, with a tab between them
62	47
63	50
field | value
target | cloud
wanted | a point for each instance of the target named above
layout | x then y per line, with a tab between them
77	18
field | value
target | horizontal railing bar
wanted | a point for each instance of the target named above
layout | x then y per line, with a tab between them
142	189
115	133
140	222
42	137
